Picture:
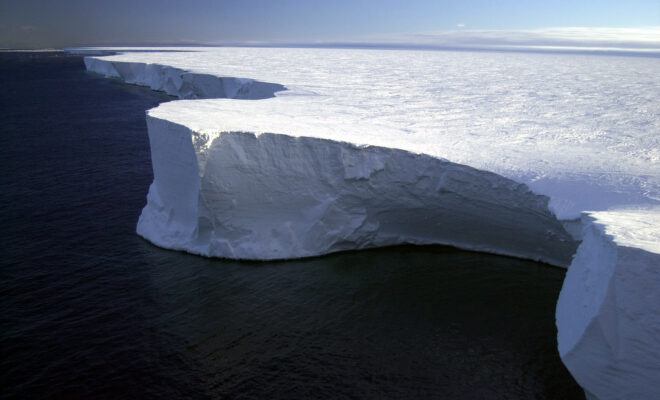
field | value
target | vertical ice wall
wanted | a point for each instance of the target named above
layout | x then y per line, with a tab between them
608	313
273	196
183	84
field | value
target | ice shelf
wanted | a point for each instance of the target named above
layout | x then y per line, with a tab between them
347	149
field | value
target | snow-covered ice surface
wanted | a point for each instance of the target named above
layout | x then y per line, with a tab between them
356	148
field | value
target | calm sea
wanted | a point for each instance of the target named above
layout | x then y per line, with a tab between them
90	310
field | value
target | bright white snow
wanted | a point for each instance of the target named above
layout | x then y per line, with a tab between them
361	148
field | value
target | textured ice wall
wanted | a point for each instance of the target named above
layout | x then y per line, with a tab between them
417	199
608	314
180	83
272	196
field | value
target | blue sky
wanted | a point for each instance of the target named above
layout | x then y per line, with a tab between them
50	23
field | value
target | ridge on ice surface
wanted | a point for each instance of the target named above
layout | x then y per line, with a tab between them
418	129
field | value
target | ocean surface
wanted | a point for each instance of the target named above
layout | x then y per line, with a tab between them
90	310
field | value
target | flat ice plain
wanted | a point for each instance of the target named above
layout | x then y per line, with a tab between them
333	140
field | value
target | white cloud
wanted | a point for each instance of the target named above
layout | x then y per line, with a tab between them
621	38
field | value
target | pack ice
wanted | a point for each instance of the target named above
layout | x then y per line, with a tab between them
495	152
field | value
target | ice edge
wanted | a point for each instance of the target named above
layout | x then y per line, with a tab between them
184	84
325	196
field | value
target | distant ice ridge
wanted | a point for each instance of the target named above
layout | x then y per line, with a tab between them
579	129
355	154
183	84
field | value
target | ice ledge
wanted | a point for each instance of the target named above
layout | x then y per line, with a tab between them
180	83
608	310
273	196
608	313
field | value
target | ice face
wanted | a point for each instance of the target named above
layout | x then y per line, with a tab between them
272	196
608	314
352	149
182	84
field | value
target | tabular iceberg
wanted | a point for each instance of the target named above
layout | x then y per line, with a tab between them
394	152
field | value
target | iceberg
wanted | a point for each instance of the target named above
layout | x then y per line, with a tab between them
349	149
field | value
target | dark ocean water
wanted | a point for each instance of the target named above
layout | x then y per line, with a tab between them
90	310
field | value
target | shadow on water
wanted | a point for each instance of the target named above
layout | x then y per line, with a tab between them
90	310
395	322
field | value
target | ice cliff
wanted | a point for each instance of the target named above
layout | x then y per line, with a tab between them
608	314
269	196
393	152
182	84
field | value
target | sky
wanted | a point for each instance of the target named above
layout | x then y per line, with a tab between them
64	23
